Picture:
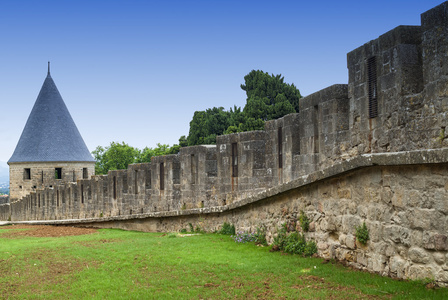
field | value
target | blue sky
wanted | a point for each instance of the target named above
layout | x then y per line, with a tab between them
135	71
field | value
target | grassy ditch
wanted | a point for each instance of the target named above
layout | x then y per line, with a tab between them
115	264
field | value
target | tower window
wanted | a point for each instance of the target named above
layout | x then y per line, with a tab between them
58	173
316	123
82	193
115	187
372	86
148	178
136	181
85	173
162	177
193	169
234	160
280	148
27	174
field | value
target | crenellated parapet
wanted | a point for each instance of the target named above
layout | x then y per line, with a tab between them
324	128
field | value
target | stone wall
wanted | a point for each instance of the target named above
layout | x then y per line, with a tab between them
366	151
28	177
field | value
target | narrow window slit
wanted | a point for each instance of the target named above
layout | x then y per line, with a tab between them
372	86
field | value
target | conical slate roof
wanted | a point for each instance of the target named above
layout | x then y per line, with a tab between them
50	134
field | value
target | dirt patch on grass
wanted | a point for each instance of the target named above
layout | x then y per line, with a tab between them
17	231
335	291
96	244
36	271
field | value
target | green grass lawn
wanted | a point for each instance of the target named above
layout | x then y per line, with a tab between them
115	264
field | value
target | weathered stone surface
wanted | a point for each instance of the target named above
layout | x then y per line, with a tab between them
418	255
397	234
350	241
435	241
442	276
397	265
419	271
439	258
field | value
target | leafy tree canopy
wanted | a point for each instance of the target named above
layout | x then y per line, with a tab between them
206	125
268	97
118	156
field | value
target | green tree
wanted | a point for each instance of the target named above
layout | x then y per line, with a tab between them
162	149
268	96
116	156
183	141
206	125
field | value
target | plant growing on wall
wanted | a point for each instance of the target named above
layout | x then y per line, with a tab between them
293	243
362	233
227	228
260	236
304	222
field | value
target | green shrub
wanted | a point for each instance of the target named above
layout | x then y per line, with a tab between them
260	236
227	229
362	233
304	221
310	248
183	230
191	227
280	239
294	243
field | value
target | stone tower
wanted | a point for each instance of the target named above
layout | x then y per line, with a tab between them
50	150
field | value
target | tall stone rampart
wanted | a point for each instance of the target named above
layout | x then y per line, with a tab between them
374	150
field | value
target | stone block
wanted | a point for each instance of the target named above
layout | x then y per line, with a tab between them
442	276
439	258
420	218
350	241
440	242
344	193
420	272
416	238
418	255
398	266
397	234
342	238
349	223
378	262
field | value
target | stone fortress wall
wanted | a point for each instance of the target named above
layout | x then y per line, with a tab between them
374	150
